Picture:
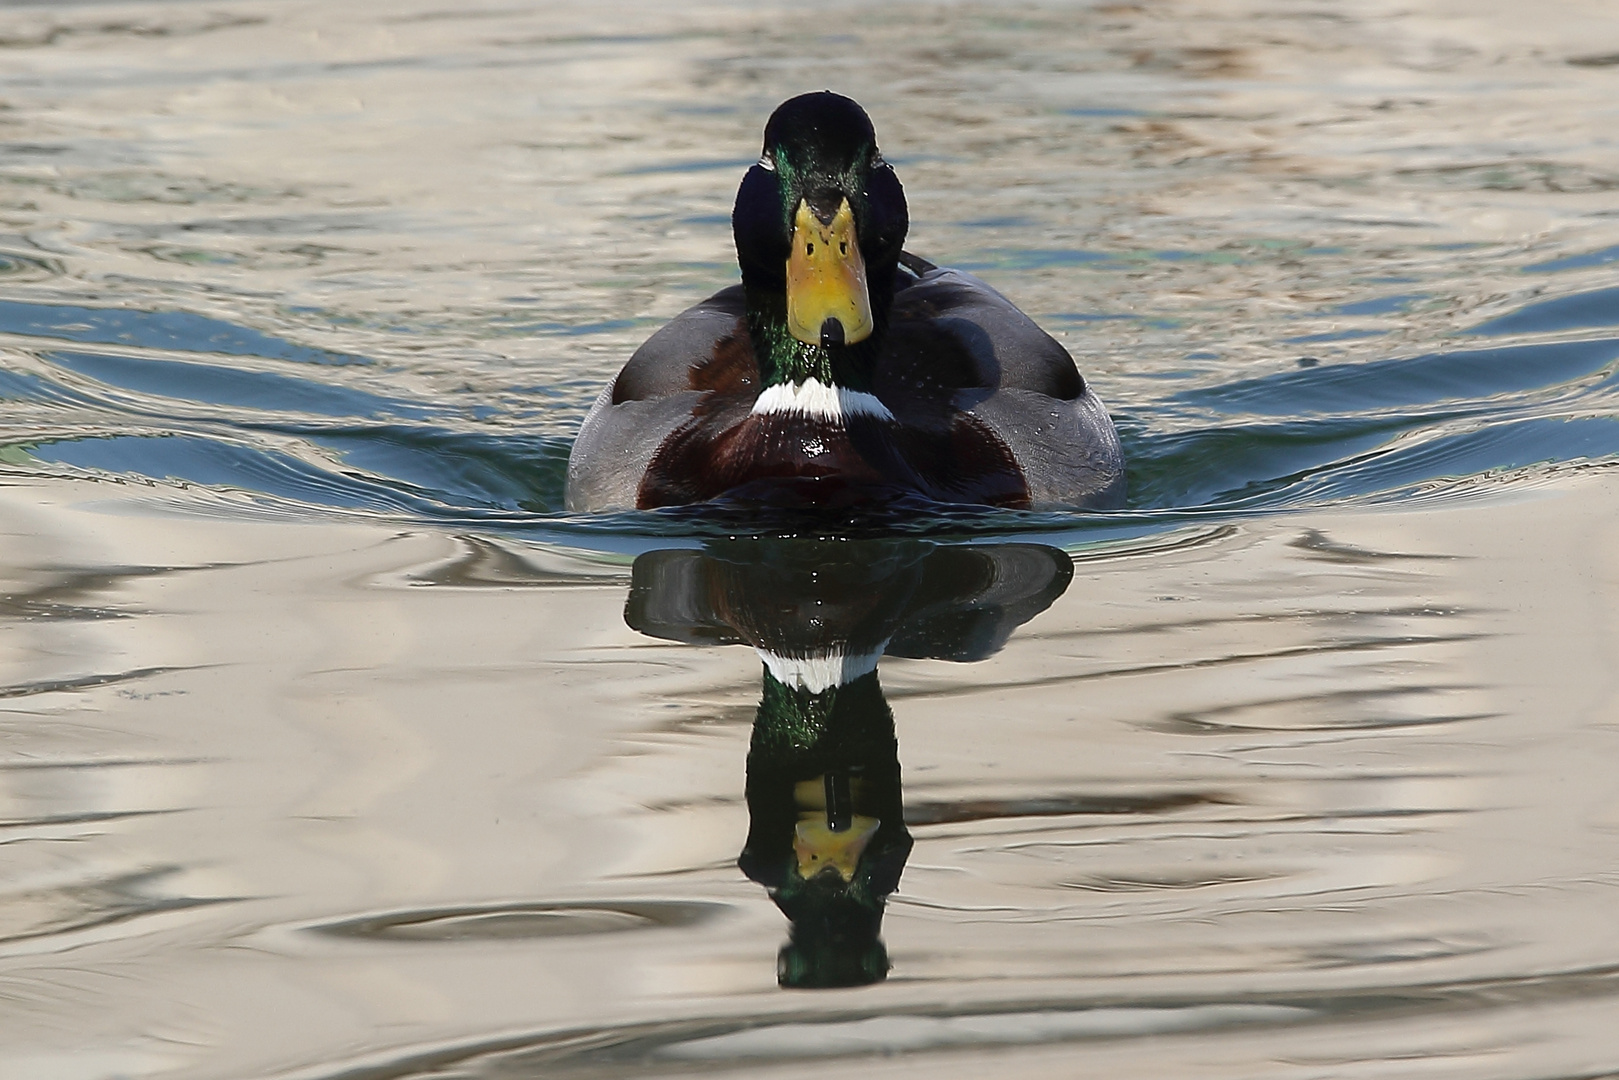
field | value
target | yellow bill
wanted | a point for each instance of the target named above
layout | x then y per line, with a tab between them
818	847
826	280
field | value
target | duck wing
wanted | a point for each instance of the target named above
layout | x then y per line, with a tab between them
955	345
705	348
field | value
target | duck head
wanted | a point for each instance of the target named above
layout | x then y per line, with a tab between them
819	224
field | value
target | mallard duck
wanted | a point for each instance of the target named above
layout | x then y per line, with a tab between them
843	370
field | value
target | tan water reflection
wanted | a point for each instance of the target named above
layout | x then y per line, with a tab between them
297	799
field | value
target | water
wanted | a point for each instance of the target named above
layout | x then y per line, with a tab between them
332	747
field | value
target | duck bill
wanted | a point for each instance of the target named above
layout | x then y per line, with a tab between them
827	299
818	847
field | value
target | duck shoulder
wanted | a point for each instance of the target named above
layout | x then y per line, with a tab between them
704	349
973	337
956	344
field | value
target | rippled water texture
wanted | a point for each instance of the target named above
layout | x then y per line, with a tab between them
331	747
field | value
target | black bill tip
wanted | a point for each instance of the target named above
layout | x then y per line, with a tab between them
839	804
831	332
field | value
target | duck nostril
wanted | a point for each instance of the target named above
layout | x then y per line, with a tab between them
831	331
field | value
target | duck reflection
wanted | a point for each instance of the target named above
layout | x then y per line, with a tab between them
827	836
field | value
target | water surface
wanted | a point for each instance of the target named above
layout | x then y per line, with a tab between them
333	747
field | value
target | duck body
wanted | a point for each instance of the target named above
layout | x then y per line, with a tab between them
970	402
843	371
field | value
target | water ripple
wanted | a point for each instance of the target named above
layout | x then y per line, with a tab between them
1379	429
746	1043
